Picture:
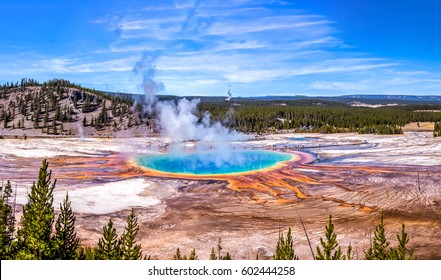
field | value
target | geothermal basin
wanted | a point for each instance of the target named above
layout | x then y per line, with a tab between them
353	177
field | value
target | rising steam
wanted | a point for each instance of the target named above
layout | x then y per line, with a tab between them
179	122
149	86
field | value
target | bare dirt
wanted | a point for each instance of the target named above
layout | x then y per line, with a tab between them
419	126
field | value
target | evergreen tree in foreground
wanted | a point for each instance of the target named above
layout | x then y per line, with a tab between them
129	249
178	257
35	240
212	254
402	253
380	245
7	222
329	250
108	245
193	255
349	253
284	249
88	253
65	241
34	234
226	257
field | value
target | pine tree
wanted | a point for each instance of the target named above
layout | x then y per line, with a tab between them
369	254
402	253
329	247
177	256
46	118
102	117
213	254
57	115
380	246
36	121
97	124
129	249
7	222
193	255
349	253
66	242
226	257
89	253
86	104
437	129
5	119
284	248
108	245
34	234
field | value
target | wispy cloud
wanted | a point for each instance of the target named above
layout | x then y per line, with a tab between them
385	82
68	65
209	45
239	27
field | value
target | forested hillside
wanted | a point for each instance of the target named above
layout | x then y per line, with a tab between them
59	107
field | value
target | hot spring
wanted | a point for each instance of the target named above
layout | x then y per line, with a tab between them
205	163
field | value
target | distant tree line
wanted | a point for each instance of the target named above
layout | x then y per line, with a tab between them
322	119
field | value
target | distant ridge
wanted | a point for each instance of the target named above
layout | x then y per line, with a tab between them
394	97
353	96
364	98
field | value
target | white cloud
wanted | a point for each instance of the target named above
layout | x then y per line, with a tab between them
207	44
149	24
247	45
383	82
342	86
239	27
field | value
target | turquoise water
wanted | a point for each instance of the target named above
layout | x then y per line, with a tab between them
213	163
300	138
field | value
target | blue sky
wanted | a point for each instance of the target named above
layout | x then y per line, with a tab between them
304	47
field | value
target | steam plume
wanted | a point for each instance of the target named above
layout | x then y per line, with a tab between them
149	86
229	96
179	122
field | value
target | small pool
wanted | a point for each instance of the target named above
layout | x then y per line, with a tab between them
205	163
300	138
